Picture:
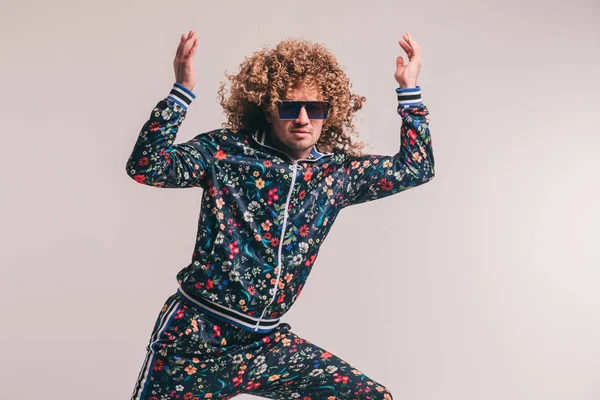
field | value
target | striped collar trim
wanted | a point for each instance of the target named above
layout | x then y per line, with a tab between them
263	139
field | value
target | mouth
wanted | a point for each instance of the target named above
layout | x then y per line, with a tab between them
300	131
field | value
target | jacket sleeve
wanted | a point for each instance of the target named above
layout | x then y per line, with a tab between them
157	161
370	177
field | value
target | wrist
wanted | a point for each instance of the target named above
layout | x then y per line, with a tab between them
407	85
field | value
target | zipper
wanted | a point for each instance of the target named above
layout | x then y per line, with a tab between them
280	264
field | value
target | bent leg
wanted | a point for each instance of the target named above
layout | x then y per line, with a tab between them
187	357
290	367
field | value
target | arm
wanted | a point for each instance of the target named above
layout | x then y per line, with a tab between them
156	161
372	177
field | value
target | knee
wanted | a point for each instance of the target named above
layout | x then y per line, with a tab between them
380	392
372	391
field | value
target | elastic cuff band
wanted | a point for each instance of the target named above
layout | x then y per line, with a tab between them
409	96
181	95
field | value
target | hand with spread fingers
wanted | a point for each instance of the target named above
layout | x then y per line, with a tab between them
406	75
184	61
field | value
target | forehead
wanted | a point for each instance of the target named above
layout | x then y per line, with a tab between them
301	92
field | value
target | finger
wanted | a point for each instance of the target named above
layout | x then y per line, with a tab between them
407	49
188	44
193	49
414	45
407	40
399	62
180	47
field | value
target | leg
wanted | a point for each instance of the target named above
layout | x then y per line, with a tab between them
186	357
289	367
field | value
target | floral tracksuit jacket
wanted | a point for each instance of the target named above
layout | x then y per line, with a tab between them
264	215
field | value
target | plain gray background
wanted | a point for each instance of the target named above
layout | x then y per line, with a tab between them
482	284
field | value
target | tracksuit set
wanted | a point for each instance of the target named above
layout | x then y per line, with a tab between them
263	218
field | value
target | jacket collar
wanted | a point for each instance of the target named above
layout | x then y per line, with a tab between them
262	138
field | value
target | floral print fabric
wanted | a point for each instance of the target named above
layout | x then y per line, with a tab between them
193	356
263	215
262	221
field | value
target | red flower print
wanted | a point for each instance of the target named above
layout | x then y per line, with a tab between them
158	365
155	126
144	161
252	385
233	249
326	355
268	236
179	314
309	263
139	178
252	290
274	242
340	378
304	230
209	284
412	134
385	184
302	195
220	155
307	175
217	331
273	196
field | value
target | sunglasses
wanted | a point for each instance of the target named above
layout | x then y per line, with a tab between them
290	109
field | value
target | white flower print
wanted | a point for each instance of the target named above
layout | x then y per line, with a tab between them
303	247
253	206
234	276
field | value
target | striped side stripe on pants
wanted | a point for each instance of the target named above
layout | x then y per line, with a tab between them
142	380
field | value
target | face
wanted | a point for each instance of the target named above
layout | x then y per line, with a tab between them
296	137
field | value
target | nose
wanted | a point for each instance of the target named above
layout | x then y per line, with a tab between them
302	117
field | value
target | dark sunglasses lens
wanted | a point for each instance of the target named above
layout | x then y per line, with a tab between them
291	110
316	110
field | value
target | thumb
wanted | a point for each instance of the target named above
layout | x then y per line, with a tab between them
399	62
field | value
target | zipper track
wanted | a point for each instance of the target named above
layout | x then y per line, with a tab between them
279	263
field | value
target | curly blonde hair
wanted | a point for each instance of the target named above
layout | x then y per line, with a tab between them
269	74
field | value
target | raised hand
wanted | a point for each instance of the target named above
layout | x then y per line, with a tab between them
184	61
406	75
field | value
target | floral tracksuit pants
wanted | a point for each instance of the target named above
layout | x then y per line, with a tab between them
193	355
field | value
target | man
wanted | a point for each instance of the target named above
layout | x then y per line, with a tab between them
274	178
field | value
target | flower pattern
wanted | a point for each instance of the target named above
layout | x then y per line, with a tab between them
264	215
262	221
194	356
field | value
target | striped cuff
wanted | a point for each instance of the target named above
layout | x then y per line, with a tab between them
181	95
409	96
